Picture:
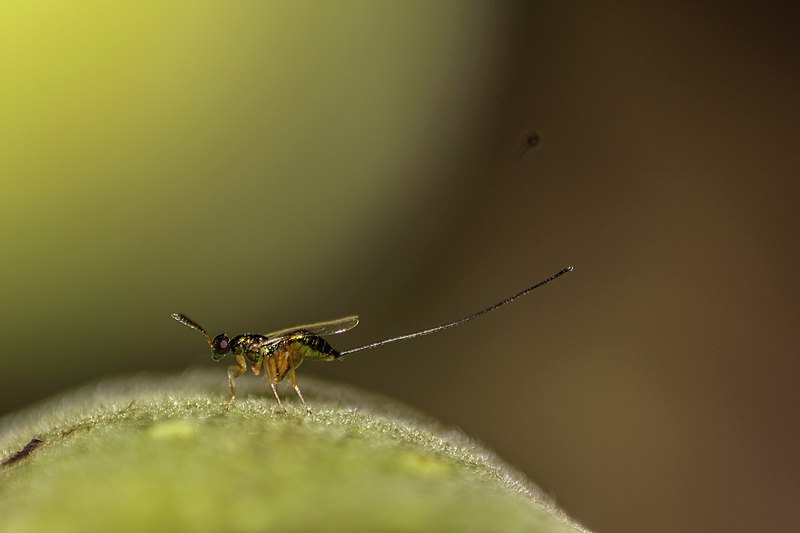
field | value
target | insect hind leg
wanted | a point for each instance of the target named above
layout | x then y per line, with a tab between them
293	379
270	371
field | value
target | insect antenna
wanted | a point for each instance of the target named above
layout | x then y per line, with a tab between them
462	320
188	322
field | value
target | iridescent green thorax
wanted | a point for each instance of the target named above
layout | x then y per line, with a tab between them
250	345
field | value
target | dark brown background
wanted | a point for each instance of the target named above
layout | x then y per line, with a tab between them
654	389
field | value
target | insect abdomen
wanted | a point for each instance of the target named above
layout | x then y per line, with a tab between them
312	347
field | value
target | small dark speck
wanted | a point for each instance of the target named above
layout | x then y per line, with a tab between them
529	140
24	452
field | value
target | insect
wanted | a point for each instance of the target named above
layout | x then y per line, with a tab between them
279	353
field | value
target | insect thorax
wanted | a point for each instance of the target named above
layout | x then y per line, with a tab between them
250	345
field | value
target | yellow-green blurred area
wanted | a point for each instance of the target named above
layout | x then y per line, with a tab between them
246	163
261	164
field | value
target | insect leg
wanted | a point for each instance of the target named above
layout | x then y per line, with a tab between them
293	379
256	367
234	371
270	371
281	408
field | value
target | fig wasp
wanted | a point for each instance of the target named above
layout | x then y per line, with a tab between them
279	353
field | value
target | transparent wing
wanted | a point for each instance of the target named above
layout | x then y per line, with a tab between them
328	327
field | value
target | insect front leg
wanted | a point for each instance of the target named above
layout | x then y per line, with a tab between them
234	371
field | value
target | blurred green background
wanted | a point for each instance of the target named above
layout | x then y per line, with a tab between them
261	164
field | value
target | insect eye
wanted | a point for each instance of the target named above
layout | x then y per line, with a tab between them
221	344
